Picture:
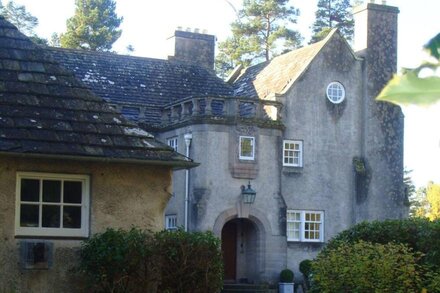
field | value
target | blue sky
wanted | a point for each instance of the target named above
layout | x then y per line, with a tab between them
148	23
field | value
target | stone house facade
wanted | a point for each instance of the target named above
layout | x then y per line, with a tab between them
70	167
303	131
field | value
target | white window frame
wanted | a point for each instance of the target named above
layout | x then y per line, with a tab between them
171	222
299	151
82	232
335	92
301	225
173	142
242	157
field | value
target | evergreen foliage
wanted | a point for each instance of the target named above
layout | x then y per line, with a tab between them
23	20
93	27
419	237
367	267
333	14
18	16
263	28
141	261
286	276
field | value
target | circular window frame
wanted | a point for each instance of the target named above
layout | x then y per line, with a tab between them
332	98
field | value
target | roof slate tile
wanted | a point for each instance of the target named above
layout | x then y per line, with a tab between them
45	110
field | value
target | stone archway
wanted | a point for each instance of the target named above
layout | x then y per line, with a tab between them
243	245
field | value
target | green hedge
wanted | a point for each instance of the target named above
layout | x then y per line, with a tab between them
419	234
367	267
141	261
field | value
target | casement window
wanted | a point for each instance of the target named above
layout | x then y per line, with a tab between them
172	142
247	148
171	222
54	205
305	226
293	153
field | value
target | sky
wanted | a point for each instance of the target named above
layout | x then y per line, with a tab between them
149	23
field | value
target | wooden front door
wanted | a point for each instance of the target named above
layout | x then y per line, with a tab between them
229	248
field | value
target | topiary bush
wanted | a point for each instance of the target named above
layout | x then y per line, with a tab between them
141	261
286	276
367	267
305	267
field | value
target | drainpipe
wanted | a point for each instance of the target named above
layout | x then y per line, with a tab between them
188	138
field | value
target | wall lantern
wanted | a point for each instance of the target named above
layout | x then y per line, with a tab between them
248	194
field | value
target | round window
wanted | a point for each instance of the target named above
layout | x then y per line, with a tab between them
335	92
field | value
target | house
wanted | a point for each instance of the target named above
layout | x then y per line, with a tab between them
292	151
70	166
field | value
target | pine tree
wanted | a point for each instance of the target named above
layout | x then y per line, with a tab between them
333	14
18	16
93	27
262	26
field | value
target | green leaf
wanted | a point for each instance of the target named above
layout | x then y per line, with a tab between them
410	89
433	46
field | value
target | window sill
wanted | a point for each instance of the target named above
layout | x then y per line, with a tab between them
51	237
288	170
310	246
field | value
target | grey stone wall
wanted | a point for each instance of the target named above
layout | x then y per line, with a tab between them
383	127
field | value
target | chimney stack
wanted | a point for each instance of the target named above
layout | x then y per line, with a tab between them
194	47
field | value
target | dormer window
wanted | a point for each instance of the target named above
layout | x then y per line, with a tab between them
335	92
247	148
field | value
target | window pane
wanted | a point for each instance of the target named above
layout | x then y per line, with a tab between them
307	217
72	217
318	217
29	215
30	190
51	216
246	147
72	191
51	191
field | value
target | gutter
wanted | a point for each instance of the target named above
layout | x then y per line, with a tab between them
176	165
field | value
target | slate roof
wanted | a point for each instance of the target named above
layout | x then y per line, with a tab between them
277	75
152	83
45	110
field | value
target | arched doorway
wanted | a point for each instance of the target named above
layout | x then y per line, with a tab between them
241	246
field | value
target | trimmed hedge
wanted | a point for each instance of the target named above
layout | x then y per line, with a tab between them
367	267
141	261
419	234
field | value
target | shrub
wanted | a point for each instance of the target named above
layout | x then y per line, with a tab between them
190	262
305	267
286	276
366	267
116	260
419	234
138	261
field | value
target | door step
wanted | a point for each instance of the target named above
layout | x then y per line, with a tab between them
247	288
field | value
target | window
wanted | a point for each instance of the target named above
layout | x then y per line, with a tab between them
305	226
52	205
171	222
292	153
247	148
335	92
172	142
